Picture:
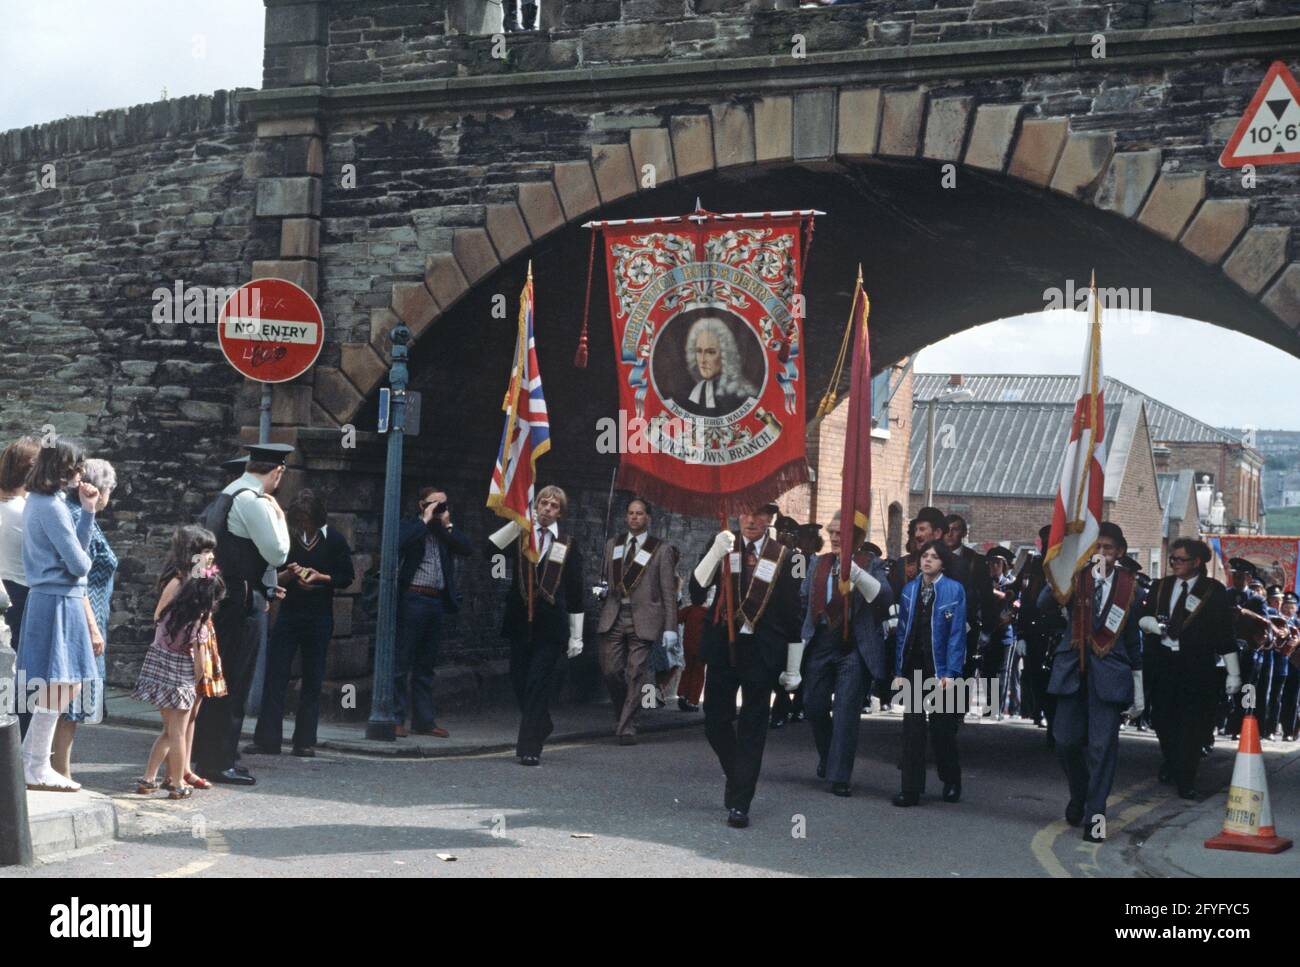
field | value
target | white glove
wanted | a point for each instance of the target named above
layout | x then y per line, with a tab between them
892	621
720	548
575	634
1151	626
1020	646
861	579
1139	701
790	678
1230	662
506	535
670	639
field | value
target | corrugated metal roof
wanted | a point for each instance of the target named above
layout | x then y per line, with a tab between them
1004	449
1165	422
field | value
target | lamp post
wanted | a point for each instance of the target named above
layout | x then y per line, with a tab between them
15	832
952	396
382	725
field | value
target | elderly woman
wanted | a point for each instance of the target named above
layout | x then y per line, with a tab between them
54	645
99	589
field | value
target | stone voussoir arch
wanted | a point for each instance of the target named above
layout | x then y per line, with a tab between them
851	124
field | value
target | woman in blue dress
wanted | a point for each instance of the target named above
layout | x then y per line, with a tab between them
55	652
89	707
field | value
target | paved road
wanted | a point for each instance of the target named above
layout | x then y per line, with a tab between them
598	809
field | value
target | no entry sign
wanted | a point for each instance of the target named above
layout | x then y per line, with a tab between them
271	330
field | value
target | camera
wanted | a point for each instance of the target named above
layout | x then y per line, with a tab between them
600	591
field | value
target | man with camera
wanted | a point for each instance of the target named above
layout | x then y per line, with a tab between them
426	580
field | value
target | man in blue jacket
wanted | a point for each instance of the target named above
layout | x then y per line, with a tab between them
1096	675
835	666
426	579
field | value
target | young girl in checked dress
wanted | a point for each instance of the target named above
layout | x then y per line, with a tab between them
182	666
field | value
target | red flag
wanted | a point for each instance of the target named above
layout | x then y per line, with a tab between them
855	497
1077	513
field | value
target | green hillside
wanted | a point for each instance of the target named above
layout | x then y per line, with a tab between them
1284	520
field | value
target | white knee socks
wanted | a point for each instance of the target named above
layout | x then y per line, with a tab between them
37	746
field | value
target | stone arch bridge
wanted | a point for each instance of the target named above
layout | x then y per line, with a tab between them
971	154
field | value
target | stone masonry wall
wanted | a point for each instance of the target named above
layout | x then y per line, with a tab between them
140	199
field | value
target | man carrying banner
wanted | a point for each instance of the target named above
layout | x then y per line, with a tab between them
838	666
767	649
1096	675
639	608
543	615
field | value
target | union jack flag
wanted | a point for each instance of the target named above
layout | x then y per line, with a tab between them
527	432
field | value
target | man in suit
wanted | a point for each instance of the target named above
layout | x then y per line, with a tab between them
1189	616
972	570
767	649
544	610
426	580
836	667
640	607
1096	675
1035	634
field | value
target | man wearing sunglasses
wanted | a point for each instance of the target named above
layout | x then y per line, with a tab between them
1188	620
426	582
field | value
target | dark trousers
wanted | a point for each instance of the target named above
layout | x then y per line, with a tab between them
942	728
217	727
309	631
1087	745
532	669
991	663
1289	704
1185	700
691	685
13	617
1035	701
1273	705
419	627
833	692
738	738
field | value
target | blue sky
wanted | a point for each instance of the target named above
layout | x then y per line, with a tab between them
138	48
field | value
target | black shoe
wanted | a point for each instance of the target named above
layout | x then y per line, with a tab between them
627	740
1189	793
1164	775
841	789
232	777
906	799
530	760
304	752
1090	837
951	792
737	819
254	749
242	770
1205	750
797	716
821	770
1074	813
685	706
778	721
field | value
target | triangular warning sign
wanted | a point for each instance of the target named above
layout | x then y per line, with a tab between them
1268	137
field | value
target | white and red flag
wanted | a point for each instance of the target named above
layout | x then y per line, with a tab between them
1076	516
527	432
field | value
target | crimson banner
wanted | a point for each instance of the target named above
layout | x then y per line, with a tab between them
1275	557
707	338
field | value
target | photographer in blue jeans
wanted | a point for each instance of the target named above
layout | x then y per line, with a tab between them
319	564
426	580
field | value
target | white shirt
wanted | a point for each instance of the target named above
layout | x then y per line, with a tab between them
543	543
253	518
1172	643
11	541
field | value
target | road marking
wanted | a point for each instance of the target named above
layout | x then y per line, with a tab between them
1044	841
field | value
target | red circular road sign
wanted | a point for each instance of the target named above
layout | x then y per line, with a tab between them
271	330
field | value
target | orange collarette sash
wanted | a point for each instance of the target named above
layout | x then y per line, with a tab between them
1114	612
625	578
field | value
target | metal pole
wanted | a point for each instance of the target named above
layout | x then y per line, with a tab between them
264	420
15	830
382	725
929	453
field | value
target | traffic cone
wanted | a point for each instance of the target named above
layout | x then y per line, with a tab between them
1248	825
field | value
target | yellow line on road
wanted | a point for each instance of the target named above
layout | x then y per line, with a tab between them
1044	841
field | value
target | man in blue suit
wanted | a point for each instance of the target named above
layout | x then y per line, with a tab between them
1096	675
839	668
426	581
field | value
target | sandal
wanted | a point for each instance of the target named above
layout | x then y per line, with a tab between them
197	781
144	787
181	792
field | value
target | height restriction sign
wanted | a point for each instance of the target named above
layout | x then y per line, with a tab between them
1269	131
271	330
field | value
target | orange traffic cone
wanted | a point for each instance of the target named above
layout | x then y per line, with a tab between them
1249	823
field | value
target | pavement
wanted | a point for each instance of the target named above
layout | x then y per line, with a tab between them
595	808
63	822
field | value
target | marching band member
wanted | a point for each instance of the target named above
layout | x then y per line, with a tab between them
766	652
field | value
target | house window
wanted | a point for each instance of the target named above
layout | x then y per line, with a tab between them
880	399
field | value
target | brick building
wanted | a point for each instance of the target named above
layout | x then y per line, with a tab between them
999	464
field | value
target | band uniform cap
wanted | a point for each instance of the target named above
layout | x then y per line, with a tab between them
1240	564
1275	590
1003	553
1290	598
